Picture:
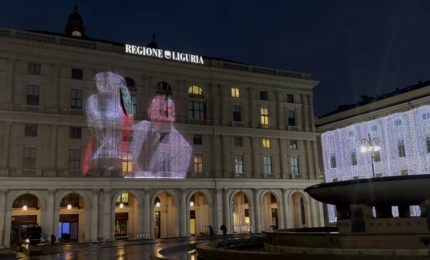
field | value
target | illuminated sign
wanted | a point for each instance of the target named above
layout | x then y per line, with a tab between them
163	54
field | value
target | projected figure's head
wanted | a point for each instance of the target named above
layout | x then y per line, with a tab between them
108	82
161	112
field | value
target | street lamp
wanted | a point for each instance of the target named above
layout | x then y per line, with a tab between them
370	145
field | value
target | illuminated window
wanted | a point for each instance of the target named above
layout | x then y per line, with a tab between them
353	158
246	214
266	143
77	73
127	164
264	117
74	159
122	198
30	130
294	164
76	99
293	145
263	95
404	172
195	91
235	92
198	163
238	165
197	110
29	161
236	113
267	163
238	141
401	148
75	133
34	68
291	118
33	95
333	161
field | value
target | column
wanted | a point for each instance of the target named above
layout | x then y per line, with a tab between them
316	161
2	216
94	216
10	83
183	215
289	222
227	167
4	163
256	157
107	222
257	213
49	218
227	212
216	158
283	159
281	211
53	151
217	212
147	214
310	160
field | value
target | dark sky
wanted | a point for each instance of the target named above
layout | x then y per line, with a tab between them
354	48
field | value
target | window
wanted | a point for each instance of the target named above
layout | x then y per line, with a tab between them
353	158
122	198
376	156
164	88
77	73
74	159
197	139
33	95
404	172
374	128
263	95
238	165
133	97
235	92
30	130
267	162
127	163
197	110
428	144
333	161
236	113
75	132
34	68
198	163
291	118
294	164
238	141
195	91
76	98
290	98
293	145
426	115
401	148
29	161
266	143
398	122
264	117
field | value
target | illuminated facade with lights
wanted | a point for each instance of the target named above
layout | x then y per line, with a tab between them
100	144
385	136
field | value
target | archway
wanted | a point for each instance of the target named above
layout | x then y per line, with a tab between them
299	210
241	213
72	218
127	216
270	212
165	216
26	219
199	214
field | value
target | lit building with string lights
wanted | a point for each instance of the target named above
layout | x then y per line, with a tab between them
388	135
102	140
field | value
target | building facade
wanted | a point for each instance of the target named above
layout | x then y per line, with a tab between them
382	136
251	132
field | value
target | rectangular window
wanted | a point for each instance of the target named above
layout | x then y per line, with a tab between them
33	95
398	122
235	92
353	158
290	98
34	68
127	163
267	162
264	117
133	97
404	172
197	110
294	163
291	118
238	165
75	132
74	159
293	145
198	163
197	139
77	73
29	161
76	99
428	144
238	141
333	161
377	156
30	130
266	143
401	148
263	95
236	113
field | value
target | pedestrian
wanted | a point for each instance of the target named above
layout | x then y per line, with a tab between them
223	228
53	238
211	231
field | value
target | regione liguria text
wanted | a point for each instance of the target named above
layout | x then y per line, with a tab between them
163	54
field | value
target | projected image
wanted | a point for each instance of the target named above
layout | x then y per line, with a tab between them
146	149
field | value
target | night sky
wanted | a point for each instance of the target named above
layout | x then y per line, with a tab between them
354	48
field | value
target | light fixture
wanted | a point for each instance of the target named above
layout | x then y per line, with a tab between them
69	206
191	203
121	205
24	208
157	204
370	145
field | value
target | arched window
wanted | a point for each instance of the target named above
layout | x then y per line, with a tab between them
195	91
197	104
163	88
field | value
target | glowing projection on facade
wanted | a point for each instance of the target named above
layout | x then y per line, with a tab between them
404	141
146	149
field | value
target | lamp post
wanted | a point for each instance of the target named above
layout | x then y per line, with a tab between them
370	145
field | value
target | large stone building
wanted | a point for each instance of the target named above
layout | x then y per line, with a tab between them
387	135
251	130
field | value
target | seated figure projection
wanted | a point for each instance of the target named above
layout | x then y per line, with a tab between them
159	150
109	118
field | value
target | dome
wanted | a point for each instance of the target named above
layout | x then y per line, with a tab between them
75	24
